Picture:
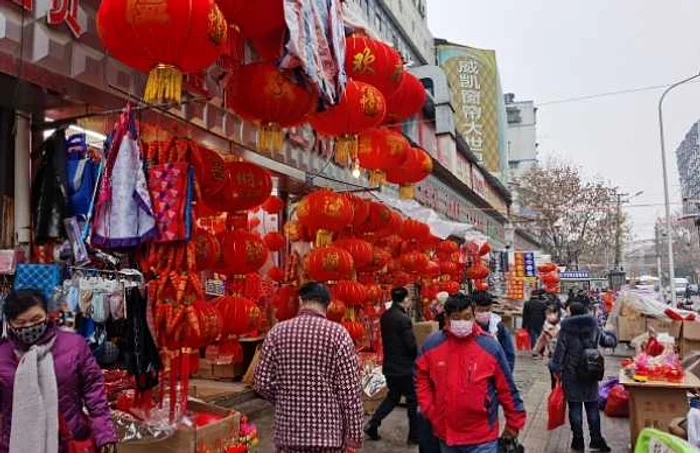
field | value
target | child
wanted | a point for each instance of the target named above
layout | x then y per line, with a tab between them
547	341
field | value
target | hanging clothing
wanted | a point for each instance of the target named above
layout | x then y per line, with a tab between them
123	212
49	191
140	351
316	46
82	174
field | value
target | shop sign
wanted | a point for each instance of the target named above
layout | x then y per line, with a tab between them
59	12
478	182
576	275
525	265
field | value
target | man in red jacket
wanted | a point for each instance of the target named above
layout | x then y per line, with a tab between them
462	376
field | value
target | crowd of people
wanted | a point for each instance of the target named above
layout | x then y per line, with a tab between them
453	385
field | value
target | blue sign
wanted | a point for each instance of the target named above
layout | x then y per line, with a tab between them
529	261
576	275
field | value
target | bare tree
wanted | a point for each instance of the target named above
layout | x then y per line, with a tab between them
686	246
576	218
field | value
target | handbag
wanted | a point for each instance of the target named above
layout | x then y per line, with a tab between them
44	278
72	444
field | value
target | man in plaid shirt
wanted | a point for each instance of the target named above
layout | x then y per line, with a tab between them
309	371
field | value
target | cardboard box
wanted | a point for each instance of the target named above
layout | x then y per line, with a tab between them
423	330
630	327
655	408
210	369
192	440
690	338
668	326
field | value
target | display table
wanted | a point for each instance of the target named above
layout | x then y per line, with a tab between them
654	404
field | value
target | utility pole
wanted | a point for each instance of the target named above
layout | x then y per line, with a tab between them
657	244
618	233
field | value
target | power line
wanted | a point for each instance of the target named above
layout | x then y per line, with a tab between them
606	94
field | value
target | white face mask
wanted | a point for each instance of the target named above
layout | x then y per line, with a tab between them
483	317
461	328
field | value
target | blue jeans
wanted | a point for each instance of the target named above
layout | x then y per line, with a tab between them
576	419
490	447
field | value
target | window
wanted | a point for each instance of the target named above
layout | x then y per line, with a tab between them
513	116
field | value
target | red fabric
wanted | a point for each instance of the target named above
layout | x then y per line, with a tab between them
674	315
460	384
522	339
556	408
167	184
618	404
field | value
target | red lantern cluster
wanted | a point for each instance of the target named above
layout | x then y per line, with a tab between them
324	212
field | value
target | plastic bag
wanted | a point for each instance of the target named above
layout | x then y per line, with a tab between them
510	446
604	392
618	402
556	408
522	340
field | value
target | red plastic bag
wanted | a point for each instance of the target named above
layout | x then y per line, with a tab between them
522	340
556	408
618	404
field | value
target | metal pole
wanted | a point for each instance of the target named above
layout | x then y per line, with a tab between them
23	149
667	198
618	233
657	243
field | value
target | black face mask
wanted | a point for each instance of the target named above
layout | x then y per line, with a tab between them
30	334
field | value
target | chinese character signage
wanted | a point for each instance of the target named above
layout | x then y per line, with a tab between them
525	265
576	275
478	100
59	12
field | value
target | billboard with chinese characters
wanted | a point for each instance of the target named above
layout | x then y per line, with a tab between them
478	100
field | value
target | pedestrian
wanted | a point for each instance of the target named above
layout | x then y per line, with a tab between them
309	370
462	376
400	353
48	377
492	324
579	338
534	316
547	343
440	300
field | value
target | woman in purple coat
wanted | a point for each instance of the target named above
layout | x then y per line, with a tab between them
47	377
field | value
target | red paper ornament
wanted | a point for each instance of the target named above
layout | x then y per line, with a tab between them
352	293
324	212
374	62
274	241
244	253
547	268
417	166
356	330
210	171
381	149
329	264
361	251
273	204
407	100
360	209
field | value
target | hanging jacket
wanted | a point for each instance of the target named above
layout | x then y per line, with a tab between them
49	191
461	382
140	351
80	383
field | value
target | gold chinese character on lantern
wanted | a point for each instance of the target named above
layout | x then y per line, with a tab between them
362	62
370	103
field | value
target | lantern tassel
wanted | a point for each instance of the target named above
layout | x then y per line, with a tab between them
323	238
346	148
377	178
164	84
270	137
406	192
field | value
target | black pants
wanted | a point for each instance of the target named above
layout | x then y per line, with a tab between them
399	386
576	419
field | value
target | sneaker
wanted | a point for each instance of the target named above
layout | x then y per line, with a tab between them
578	445
600	446
371	430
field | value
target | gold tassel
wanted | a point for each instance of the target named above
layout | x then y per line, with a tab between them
406	191
270	138
164	84
377	178
323	238
346	149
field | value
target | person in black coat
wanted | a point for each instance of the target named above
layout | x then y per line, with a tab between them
534	315
493	324
580	331
400	352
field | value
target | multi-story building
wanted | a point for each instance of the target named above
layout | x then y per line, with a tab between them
522	134
688	158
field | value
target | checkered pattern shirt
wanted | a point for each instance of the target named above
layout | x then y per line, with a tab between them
309	371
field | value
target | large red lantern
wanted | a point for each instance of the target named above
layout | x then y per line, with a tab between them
329	264
394	224
446	248
380	258
379	216
167	38
286	302
372	61
324	212
361	251
360	208
274	241
262	93
406	101
415	230
417	166
380	149
244	252
477	272
431	270
414	262
354	294
238	314
361	107
255	19
210	171
247	186
207	250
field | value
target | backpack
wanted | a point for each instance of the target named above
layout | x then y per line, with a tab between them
591	367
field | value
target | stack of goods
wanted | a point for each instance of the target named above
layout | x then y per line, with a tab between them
656	360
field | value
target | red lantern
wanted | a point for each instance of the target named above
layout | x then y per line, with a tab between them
255	19
450	287
237	313
477	272
361	107
293	231
551	279
485	249
354	294
247	187
392	244
244	253
414	230
336	310
445	249
207	250
276	274
394	224
481	285
374	294
361	251
329	263
274	241
414	262
401	278
547	268
417	166
371	61
167	38
380	258
449	268
273	204
407	100
286	302
356	330
431	270
379	216
261	92
360	209
210	171
380	149
324	212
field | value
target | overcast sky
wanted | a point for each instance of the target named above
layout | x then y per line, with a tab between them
550	50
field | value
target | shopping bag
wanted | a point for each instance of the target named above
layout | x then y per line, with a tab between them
556	407
522	340
604	392
618	404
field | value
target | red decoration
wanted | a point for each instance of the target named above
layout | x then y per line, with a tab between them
247	187
255	19
485	249
414	230
167	38
477	271
551	279
449	267
207	250
431	270
276	274
481	285
371	61
329	263
547	268
414	262
445	249
274	241
354	294
324	212
380	149
360	208
356	330
210	171
286	302
244	253
336	310
407	100
374	294
379	216
380	258
394	224
238	314
417	166
450	287
273	204
361	251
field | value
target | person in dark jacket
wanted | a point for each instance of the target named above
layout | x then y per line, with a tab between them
534	314
578	332
400	352
492	324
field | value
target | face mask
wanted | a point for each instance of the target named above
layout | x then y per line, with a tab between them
483	317
30	334
461	328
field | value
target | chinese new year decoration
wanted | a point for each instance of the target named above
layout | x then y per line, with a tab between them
324	212
329	264
417	166
381	149
406	101
374	62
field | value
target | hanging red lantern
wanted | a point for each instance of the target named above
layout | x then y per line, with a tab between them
374	294
255	19
329	264
336	310
551	279
380	258
431	270
244	252
417	166
208	322
324	212
286	302
485	249
293	231
356	330
415	230
401	278
210	171
448	268
360	208
352	293
380	149
450	287
361	251
361	107
391	243
207	250
237	313
247	186
414	262
445	249
374	62
168	39
273	204
547	268
261	92
276	274
274	241
379	216
394	224
477	271
406	101
481	285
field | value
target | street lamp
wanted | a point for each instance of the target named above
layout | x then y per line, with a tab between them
667	198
